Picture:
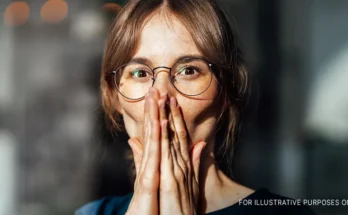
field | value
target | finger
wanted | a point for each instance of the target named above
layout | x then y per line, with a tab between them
176	167
154	151
151	158
146	115
165	152
154	93
168	185
180	130
151	111
146	134
162	107
166	158
151	93
165	145
196	157
185	165
137	150
153	105
149	173
167	178
181	181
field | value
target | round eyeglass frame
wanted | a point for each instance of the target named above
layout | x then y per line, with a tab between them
171	78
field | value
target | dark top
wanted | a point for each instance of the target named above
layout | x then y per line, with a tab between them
260	202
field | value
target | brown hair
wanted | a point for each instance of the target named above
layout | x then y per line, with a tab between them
214	38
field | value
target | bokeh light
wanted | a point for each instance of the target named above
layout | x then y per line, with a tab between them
87	25
17	13
112	8
54	11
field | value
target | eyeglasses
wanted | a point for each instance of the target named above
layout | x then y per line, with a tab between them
189	76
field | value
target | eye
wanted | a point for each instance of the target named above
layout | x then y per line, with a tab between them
139	73
188	70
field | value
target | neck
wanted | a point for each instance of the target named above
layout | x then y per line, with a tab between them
215	186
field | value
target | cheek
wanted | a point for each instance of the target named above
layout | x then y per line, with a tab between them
200	113
196	112
133	113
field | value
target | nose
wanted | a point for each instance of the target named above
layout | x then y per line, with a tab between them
162	81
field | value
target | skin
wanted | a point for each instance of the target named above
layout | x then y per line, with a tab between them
202	188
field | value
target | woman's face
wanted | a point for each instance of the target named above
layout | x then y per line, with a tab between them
163	42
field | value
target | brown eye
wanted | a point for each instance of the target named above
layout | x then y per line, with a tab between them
139	73
188	71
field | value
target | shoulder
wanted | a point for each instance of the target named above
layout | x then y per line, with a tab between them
270	203
115	205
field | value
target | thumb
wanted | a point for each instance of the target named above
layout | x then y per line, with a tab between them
137	150
196	157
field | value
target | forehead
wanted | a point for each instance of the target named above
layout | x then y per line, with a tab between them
163	39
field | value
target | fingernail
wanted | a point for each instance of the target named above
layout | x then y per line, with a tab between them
204	146
164	97
173	102
151	92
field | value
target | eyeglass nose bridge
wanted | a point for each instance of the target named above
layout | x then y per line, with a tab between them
161	67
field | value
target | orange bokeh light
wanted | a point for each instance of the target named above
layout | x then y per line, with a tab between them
54	11
17	13
112	7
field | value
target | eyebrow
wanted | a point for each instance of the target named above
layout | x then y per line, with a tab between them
147	61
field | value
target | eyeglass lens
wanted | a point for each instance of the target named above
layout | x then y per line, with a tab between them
190	77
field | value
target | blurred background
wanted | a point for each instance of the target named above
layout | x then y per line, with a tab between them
55	153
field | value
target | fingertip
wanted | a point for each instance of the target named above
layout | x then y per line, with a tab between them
204	144
164	96
154	92
173	102
198	149
130	141
131	144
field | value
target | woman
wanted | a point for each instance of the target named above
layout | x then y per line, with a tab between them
174	79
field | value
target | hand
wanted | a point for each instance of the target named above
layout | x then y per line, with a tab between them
179	185
147	161
179	171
